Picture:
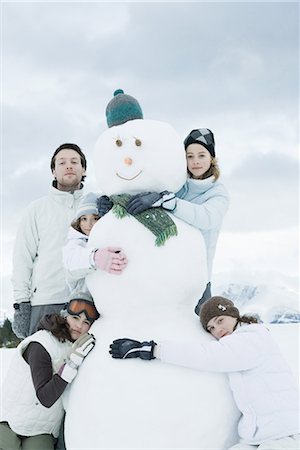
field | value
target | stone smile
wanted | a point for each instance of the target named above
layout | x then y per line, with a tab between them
129	179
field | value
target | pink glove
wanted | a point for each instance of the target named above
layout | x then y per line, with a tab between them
111	259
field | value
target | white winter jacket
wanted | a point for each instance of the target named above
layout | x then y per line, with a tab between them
38	273
262	383
78	260
203	204
20	406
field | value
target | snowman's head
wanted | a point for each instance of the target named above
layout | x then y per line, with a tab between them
139	156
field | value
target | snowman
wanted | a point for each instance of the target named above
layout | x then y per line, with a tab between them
134	404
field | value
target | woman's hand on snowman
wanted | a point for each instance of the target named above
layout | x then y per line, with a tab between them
146	200
111	259
79	350
129	348
104	205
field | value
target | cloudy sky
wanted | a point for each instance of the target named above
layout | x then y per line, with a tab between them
232	67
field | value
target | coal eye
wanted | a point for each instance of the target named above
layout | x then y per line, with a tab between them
119	143
138	142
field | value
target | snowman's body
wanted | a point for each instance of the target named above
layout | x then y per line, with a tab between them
134	404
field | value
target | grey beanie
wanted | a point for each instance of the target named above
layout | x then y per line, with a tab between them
217	306
122	108
87	205
80	295
202	136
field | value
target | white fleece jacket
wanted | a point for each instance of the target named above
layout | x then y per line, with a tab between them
203	204
38	273
78	260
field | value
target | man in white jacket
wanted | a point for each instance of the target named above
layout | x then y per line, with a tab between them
39	285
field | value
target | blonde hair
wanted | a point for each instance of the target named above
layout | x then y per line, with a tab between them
213	170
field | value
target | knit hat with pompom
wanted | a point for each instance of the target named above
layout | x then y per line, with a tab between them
122	108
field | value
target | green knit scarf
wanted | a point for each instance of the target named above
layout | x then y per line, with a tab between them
155	219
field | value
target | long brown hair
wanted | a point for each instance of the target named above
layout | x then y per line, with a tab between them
76	225
57	325
247	319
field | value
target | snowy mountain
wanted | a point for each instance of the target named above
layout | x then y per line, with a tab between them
273	303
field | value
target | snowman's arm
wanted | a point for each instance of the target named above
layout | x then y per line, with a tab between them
206	216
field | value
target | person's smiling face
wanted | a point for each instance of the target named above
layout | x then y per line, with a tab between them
198	160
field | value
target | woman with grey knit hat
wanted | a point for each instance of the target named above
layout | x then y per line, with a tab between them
263	386
79	260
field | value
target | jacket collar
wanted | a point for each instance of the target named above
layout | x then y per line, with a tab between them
200	186
64	194
75	234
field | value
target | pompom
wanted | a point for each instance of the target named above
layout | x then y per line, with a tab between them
118	91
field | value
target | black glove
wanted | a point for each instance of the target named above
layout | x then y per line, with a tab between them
21	321
146	200
129	348
104	204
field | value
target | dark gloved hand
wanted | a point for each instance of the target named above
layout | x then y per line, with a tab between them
129	348
21	321
146	200
104	204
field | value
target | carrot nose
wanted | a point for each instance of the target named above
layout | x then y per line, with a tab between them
128	161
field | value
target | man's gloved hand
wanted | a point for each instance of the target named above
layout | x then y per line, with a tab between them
104	204
21	321
79	350
146	200
110	259
129	348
